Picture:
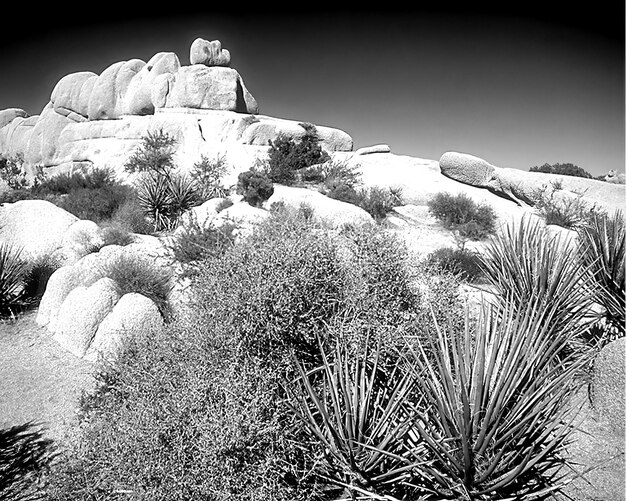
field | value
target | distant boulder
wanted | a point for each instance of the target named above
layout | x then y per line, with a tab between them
10	114
209	53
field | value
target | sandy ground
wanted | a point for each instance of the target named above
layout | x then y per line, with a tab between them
39	380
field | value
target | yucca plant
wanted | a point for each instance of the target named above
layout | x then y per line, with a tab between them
498	406
526	263
358	412
602	251
13	272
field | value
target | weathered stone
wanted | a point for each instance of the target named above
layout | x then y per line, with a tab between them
208	53
138	97
335	213
105	101
525	187
84	237
68	93
377	148
608	384
81	313
211	88
43	140
37	226
133	315
615	177
10	114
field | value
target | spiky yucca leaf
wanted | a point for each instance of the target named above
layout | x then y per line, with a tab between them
499	400
526	263
602	248
155	200
358	412
13	271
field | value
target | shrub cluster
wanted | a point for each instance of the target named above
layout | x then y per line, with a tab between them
461	214
255	187
562	169
287	157
563	209
461	262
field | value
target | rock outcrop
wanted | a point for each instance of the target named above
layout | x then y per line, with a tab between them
99	119
525	187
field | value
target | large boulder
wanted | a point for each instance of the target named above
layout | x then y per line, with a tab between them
71	93
133	315
105	101
527	187
608	385
82	312
334	213
209	53
208	87
10	114
138	97
37	226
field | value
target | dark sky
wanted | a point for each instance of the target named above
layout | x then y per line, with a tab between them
519	85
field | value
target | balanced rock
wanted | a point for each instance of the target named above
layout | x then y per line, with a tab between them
208	53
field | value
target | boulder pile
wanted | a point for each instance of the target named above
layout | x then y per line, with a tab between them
100	119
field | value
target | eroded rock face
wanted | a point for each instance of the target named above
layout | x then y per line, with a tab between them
209	53
100	119
525	188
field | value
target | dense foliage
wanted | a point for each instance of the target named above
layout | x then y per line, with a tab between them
288	156
567	169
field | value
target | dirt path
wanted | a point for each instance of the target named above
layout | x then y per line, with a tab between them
39	381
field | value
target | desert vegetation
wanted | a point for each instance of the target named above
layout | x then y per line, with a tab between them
316	363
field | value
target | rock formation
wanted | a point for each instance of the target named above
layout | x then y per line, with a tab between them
525	187
100	119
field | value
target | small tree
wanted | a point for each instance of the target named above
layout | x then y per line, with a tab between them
255	187
287	156
562	169
163	194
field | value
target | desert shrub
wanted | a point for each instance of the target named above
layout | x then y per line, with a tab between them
460	262
497	414
13	270
65	183
113	234
179	416
567	211
255	187
527	264
132	273
25	454
155	154
11	172
199	242
208	174
130	217
163	194
562	169
96	204
602	251
287	156
461	214
355	407
379	201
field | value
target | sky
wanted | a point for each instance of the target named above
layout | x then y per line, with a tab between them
518	84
